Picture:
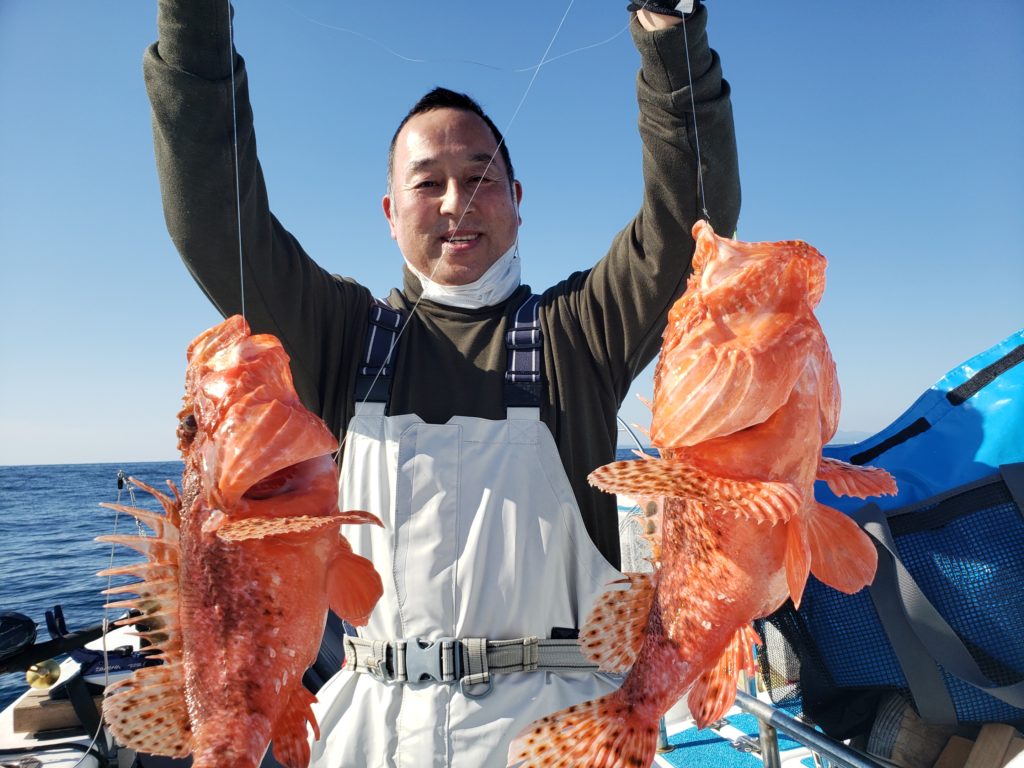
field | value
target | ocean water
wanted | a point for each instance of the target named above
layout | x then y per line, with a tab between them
49	516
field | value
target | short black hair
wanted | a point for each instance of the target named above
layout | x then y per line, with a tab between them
442	98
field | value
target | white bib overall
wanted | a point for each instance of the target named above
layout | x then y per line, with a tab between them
482	538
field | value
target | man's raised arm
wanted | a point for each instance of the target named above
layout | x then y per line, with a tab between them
189	75
626	297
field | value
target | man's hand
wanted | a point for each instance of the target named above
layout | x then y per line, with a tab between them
659	14
676	8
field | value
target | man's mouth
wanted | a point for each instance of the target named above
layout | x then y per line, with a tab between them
460	237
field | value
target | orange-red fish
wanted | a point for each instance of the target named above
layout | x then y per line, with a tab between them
745	397
242	567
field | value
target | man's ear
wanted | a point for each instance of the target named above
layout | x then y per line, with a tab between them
389	214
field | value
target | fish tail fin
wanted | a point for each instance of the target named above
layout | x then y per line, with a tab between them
603	733
842	555
797	558
846	479
353	585
614	630
290	743
715	690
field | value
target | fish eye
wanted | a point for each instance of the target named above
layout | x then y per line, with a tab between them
188	424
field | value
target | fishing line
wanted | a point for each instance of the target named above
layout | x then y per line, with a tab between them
693	111
122	481
234	140
473	62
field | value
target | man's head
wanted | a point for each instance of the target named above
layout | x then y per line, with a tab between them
452	201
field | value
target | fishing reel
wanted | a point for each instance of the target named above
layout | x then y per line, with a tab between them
18	636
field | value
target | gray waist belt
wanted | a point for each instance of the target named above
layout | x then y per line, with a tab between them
467	660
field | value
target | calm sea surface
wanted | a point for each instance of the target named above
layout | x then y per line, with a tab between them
49	516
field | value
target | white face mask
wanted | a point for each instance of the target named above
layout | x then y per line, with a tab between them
492	287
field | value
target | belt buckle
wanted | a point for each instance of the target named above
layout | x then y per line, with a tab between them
423	659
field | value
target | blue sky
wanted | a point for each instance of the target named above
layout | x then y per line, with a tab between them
888	135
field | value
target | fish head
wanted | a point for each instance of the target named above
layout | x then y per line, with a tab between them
738	340
257	449
775	273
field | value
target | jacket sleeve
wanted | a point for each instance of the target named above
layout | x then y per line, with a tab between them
197	123
622	303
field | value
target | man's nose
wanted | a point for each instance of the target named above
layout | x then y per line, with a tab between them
457	198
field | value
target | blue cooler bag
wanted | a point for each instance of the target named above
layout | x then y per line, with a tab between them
944	619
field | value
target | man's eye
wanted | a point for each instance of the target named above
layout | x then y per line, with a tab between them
425	184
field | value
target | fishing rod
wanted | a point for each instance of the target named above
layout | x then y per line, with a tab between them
20	653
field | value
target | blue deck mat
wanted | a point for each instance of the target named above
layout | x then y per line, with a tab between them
706	749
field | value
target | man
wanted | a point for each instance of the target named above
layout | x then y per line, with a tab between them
492	535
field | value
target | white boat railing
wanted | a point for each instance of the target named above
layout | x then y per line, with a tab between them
770	719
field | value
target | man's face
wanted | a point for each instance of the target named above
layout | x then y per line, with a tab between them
451	208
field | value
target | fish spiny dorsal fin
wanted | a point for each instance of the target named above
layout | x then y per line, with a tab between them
290	743
715	690
842	555
797	559
603	733
614	630
147	711
171	504
845	479
760	502
143	570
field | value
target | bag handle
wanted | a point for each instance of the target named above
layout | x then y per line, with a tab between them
919	635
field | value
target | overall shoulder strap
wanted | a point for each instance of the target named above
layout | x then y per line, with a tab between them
524	376
373	382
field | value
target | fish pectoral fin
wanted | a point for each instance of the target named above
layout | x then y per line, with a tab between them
846	479
797	559
770	502
715	690
289	741
614	630
266	527
147	712
842	555
646	479
353	585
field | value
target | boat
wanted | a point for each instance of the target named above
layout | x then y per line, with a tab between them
56	722
766	727
44	727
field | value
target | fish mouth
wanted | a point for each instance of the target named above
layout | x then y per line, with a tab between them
276	484
295	478
270	455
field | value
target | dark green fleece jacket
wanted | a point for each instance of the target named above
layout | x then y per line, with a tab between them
601	327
